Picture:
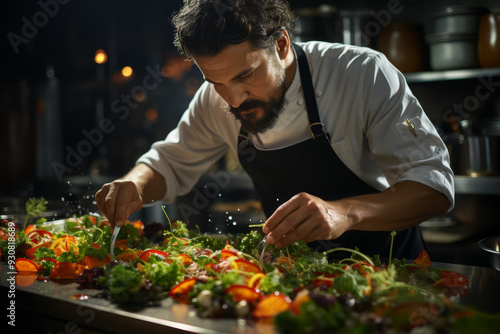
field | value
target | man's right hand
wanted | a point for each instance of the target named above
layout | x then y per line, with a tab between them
118	199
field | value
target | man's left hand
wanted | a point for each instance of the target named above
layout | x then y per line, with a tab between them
305	217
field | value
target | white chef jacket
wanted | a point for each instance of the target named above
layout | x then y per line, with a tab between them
363	101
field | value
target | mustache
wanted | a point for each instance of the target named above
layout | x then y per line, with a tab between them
248	105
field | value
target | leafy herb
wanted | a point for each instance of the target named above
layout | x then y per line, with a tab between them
122	281
48	266
67	257
249	242
352	282
274	282
35	207
163	274
42	252
129	233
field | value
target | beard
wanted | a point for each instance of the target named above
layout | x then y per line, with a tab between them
263	114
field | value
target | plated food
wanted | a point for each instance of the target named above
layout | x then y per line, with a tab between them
240	276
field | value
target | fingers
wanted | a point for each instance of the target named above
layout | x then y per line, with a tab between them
117	200
303	217
281	213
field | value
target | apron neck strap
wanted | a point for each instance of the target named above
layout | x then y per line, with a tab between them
315	126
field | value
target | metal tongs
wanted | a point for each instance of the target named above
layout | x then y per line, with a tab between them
116	230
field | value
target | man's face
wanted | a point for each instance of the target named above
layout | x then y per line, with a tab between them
251	81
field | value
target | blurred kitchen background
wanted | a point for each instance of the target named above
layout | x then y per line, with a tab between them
87	87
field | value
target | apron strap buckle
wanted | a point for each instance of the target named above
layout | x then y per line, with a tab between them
317	130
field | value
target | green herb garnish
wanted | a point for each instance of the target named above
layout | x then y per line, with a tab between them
35	207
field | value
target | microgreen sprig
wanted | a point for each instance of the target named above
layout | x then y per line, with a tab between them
34	207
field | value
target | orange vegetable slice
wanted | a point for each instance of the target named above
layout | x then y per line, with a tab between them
147	253
271	305
226	254
129	255
25	278
184	259
423	259
66	270
29	229
243	292
247	266
254	281
26	265
301	298
138	225
91	261
180	291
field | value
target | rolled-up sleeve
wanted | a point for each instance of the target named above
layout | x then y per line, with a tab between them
404	143
188	150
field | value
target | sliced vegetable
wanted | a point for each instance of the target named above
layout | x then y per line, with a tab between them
37	235
91	261
243	292
184	259
226	254
247	266
423	259
254	281
180	292
271	305
139	225
129	255
66	270
25	278
301	298
147	253
26	265
29	229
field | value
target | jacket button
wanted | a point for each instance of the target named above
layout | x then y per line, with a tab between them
318	94
300	101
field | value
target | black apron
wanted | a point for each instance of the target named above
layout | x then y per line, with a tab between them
312	166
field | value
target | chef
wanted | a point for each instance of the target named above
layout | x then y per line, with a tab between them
338	148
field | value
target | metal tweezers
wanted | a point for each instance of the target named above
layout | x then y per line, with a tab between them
113	240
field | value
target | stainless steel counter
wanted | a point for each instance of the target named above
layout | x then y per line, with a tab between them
52	308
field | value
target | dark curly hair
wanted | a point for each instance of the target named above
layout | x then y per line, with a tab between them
205	27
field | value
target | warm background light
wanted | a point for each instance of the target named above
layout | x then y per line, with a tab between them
100	56
151	115
127	71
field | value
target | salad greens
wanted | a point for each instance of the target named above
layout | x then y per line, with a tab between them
296	288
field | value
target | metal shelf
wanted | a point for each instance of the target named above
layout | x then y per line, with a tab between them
483	185
430	76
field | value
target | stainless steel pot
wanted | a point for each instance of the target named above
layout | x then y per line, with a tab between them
474	155
452	51
491	246
481	155
458	19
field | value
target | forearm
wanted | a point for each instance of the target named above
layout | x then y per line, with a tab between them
401	206
150	183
